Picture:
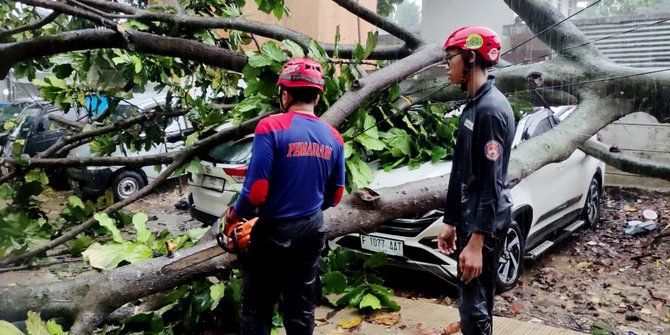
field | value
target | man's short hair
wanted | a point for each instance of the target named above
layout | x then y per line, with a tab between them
303	94
479	59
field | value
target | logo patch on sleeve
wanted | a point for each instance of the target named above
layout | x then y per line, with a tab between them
492	150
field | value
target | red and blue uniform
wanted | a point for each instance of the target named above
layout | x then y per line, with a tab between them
293	154
297	169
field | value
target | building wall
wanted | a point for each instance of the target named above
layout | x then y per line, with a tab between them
319	19
640	135
441	17
316	18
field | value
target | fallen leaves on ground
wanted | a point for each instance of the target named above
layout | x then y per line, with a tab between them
351	323
453	328
385	318
602	275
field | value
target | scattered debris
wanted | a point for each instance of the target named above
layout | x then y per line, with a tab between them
182	204
640	227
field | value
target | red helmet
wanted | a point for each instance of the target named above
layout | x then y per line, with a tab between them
477	38
301	72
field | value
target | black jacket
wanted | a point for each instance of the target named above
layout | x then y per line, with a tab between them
478	198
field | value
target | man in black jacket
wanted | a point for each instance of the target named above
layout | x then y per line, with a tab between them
478	206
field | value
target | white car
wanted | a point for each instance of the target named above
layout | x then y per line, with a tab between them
125	181
224	169
549	205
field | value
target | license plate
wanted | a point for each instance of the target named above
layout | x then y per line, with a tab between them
213	183
385	245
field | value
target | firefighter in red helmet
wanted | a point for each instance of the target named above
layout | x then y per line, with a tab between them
478	205
296	171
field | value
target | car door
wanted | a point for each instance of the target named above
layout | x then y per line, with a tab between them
548	186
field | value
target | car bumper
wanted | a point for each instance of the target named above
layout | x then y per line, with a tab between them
89	182
200	215
416	258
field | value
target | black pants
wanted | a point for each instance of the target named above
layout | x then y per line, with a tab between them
282	264
476	298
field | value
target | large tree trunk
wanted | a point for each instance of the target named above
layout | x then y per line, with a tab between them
605	91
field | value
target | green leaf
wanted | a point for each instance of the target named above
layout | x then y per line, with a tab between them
437	153
54	328
399	139
370	44
110	224
37	175
348	149
352	298
294	48
360	172
216	292
376	288
195	167
370	126
7	328
34	324
76	202
257	60
369	142
369	300
271	50
359	53
196	234
5	191
375	261
387	302
80	244
109	256
334	282
139	222
316	51
336	50
394	92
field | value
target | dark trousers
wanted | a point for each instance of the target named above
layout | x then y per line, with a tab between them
282	264
476	298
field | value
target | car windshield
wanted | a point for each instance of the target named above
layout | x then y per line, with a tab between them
232	152
26	120
10	111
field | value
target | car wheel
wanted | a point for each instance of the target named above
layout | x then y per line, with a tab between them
591	209
510	264
126	184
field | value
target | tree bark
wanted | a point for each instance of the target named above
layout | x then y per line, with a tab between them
130	40
624	162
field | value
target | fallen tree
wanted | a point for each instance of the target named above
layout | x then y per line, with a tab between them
605	92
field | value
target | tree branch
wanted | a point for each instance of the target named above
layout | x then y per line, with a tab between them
74	11
562	37
624	162
32	26
87	39
122	124
592	114
413	41
239	23
183	157
164	158
65	122
380	80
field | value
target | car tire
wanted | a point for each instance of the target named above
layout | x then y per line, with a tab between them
126	184
591	210
510	263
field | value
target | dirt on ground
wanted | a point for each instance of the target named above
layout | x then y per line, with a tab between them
601	278
600	281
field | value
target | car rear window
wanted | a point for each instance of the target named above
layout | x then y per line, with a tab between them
232	152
